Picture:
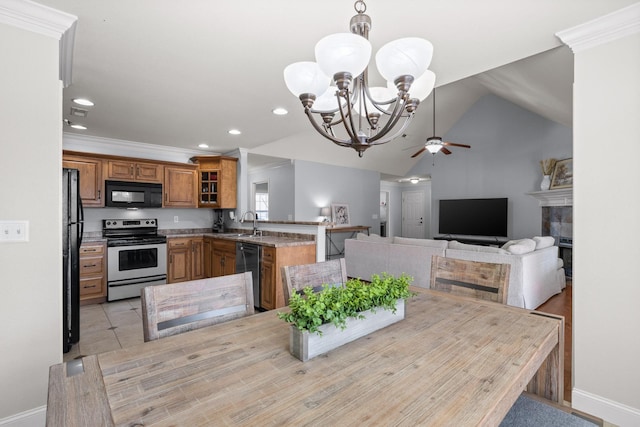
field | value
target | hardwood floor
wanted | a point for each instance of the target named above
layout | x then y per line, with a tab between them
561	304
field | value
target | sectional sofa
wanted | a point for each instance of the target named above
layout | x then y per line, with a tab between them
536	271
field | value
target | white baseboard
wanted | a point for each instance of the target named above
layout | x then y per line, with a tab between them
35	417
608	410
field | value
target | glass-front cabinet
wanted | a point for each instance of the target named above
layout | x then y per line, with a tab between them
217	175
209	190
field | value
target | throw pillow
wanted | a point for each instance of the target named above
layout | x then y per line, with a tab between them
544	242
440	244
519	247
454	244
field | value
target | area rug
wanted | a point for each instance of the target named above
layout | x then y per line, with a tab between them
527	412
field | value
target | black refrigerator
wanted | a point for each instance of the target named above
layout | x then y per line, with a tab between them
72	227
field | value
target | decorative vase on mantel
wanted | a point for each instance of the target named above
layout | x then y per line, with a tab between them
546	183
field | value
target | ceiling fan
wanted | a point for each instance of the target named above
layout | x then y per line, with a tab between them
435	143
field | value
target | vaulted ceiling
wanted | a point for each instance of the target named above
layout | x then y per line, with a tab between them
182	73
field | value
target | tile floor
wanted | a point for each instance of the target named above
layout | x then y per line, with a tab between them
108	326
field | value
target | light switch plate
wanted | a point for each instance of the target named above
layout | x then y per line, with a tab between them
14	231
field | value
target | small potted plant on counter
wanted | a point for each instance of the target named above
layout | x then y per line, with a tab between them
324	320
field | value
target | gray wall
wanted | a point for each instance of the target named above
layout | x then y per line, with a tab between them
507	142
281	187
318	185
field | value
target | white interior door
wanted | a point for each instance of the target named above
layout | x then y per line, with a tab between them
413	214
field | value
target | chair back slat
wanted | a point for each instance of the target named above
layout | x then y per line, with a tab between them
296	277
480	280
180	307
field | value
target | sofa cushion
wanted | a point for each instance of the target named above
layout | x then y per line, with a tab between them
544	241
519	247
374	238
560	263
441	244
454	244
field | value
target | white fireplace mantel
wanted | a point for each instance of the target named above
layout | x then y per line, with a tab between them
559	197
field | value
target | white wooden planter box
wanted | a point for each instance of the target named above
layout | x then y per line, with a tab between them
305	345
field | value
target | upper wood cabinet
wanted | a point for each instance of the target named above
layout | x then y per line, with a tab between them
180	187
217	181
91	182
133	171
179	180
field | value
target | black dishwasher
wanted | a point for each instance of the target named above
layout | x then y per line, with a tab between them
248	259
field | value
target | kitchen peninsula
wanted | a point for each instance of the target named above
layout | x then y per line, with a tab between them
195	254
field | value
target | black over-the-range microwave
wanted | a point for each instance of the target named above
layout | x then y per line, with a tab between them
123	194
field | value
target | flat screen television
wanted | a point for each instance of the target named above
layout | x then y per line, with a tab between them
474	217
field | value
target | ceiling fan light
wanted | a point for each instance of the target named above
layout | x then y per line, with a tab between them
343	52
414	180
433	148
407	56
305	77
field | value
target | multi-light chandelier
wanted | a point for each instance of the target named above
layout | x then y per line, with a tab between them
370	115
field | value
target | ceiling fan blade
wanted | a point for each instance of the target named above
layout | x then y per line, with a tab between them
453	144
445	151
419	152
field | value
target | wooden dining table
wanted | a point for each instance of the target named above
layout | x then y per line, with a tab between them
451	361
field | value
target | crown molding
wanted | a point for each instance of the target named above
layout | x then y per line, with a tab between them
119	147
46	21
607	28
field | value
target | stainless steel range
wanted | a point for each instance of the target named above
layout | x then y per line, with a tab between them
136	256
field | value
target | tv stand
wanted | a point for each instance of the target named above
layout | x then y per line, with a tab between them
475	240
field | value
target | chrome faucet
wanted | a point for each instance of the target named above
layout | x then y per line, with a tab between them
255	220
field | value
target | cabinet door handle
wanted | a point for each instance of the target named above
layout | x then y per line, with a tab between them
165	197
89	265
87	287
99	194
171	259
90	249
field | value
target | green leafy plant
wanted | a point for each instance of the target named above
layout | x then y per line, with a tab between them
335	304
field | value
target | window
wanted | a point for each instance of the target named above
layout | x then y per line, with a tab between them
262	201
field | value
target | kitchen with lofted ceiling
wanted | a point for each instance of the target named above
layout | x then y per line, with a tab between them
145	93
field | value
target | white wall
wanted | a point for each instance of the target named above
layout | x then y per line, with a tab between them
606	295
507	142
30	189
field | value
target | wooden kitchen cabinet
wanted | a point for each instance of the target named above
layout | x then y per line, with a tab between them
273	259
223	257
180	187
184	259
217	181
133	171
93	277
91	182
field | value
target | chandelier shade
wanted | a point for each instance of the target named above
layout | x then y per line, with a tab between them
420	88
326	103
409	56
305	77
343	53
349	112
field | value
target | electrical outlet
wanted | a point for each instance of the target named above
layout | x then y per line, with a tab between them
14	231
175	219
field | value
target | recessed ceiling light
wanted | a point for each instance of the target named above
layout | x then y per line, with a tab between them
235	132
203	146
280	111
83	101
77	126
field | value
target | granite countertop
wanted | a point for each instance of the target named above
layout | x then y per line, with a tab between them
267	239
